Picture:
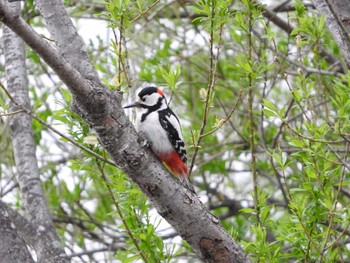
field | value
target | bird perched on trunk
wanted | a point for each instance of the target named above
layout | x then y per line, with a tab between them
161	128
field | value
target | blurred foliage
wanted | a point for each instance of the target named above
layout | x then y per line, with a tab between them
298	116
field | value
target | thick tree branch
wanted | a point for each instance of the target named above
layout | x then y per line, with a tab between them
69	44
102	109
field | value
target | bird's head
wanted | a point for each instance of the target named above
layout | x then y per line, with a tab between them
150	97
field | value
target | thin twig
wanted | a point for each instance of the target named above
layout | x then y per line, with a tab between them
211	82
251	118
11	113
333	212
227	117
123	65
144	12
312	139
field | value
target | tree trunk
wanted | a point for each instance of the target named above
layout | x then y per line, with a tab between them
48	248
12	247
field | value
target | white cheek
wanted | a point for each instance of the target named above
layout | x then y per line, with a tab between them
151	99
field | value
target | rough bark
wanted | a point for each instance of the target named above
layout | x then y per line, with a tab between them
12	247
48	249
27	230
342	10
338	22
102	109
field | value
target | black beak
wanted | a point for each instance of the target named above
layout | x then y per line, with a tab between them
136	104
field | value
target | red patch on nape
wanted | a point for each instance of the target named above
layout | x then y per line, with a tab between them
160	92
174	163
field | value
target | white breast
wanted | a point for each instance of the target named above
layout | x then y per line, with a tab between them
154	132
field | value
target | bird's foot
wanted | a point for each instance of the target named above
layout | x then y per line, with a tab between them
143	141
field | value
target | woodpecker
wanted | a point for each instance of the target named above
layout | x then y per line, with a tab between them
161	128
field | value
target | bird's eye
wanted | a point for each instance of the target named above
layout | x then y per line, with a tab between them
143	98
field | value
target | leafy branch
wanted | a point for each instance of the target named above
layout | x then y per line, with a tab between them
222	122
50	127
213	61
252	126
142	13
119	211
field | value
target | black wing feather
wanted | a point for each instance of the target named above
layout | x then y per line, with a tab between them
173	134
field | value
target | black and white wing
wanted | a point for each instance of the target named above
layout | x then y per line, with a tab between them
171	125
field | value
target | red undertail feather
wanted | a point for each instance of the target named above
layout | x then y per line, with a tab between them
177	167
174	163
